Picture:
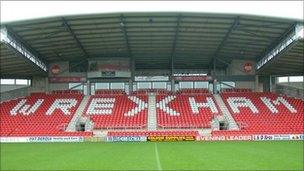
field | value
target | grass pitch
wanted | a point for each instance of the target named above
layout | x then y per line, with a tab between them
271	155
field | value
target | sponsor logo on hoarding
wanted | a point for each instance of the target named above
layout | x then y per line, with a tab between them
297	137
228	138
126	138
55	139
41	139
13	139
171	138
263	137
281	137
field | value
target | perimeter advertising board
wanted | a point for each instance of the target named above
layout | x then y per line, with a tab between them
228	138
171	138
278	137
260	137
43	139
126	138
55	139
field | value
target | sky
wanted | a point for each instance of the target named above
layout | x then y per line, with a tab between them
21	10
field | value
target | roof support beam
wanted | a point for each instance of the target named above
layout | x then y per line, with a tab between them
223	42
14	42
283	44
123	28
69	29
174	43
221	45
274	43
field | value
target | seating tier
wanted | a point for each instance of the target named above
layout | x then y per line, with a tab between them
266	113
180	111
117	111
46	120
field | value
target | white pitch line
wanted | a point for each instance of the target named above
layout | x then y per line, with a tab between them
157	157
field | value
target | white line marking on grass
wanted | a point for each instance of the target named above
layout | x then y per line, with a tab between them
157	157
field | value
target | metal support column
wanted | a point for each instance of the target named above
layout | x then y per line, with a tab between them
174	43
47	85
214	76
270	83
130	86
256	83
172	84
88	87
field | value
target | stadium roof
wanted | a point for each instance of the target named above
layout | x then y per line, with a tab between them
153	40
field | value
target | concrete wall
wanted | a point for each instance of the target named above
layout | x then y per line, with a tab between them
14	94
58	86
39	84
244	84
299	85
290	91
4	88
265	81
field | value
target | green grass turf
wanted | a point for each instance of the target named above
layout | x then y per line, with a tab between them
271	155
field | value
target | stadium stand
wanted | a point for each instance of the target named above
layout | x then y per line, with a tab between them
137	57
40	114
117	111
262	113
48	114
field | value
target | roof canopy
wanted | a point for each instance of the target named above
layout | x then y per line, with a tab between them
152	40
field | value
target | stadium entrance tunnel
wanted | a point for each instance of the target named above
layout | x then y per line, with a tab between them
223	125
81	126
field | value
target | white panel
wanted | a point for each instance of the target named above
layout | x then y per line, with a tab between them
144	85
102	86
159	85
117	85
185	85
201	84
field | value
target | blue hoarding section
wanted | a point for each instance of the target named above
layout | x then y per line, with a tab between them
126	138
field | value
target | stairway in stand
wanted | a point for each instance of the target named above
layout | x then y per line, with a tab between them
72	125
232	125
152	118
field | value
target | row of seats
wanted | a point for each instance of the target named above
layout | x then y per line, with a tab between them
153	133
